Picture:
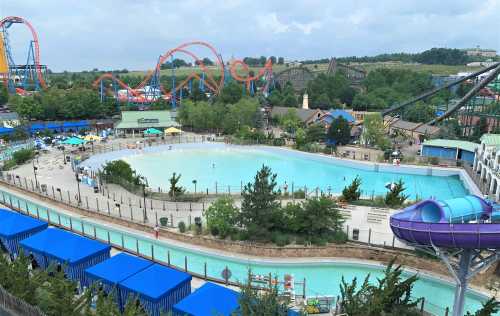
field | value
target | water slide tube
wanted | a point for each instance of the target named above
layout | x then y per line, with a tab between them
467	222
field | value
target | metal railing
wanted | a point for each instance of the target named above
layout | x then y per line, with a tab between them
17	306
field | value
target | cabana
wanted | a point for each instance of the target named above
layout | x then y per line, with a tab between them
73	141
114	270
15	227
152	131
158	288
210	299
172	131
75	253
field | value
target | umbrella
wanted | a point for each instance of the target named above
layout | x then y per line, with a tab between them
172	130
152	131
73	141
91	138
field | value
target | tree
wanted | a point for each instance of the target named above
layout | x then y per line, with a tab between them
339	131
320	217
259	204
290	122
315	133
120	169
374	131
490	307
175	190
390	296
289	100
4	94
221	216
480	129
420	113
231	93
352	192
300	138
443	56
395	196
281	60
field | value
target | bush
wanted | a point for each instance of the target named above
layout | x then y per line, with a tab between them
23	155
214	230
222	216
395	196
338	237
182	227
280	239
433	160
9	164
164	221
352	192
299	194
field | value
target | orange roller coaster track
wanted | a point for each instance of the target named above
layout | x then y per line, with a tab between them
211	83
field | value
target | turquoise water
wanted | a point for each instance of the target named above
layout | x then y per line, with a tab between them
225	168
321	278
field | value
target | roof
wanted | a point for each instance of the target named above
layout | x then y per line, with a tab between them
146	119
13	224
427	129
9	116
409	126
155	281
64	246
303	114
451	143
75	124
328	117
118	268
5	130
210	299
491	139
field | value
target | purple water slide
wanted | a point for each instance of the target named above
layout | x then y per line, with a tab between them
457	223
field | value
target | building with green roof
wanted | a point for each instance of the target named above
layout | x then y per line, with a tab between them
133	122
450	149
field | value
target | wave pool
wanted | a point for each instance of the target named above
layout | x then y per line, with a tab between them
223	168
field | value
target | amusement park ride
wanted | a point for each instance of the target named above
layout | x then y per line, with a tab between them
20	78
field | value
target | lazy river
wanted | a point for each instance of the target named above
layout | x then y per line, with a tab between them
323	276
222	168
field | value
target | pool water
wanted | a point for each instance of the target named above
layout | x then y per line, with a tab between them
223	168
322	278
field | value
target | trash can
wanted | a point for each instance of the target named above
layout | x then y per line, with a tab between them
355	234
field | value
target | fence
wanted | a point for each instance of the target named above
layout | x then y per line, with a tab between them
17	306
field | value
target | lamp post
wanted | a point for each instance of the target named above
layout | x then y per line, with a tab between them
60	192
195	182
144	184
17	177
78	186
35	168
64	155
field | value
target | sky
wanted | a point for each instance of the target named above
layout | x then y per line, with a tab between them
115	34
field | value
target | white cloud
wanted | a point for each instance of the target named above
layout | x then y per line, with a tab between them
271	23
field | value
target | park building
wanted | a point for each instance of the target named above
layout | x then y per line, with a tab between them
136	122
486	165
480	52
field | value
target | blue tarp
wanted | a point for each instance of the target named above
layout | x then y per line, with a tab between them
76	124
210	299
15	227
5	130
77	253
157	287
115	270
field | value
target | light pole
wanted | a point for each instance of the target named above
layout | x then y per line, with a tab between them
195	182
78	186
64	155
35	168
144	184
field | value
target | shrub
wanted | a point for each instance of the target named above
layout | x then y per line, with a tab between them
164	221
182	227
23	155
337	237
395	196
9	164
222	216
352	192
299	194
280	239
214	230
433	160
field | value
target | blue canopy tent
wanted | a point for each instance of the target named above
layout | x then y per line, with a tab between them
75	126
210	299
115	270
74	252
6	130
157	287
15	227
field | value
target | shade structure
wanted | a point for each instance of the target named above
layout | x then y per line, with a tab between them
15	227
6	130
210	299
157	287
172	130
115	270
92	138
152	131
74	252
73	141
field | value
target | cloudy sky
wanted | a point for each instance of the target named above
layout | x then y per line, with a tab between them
112	34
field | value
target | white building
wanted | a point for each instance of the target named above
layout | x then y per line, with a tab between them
487	164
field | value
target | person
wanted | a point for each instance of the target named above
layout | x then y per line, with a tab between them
213	165
285	187
157	230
